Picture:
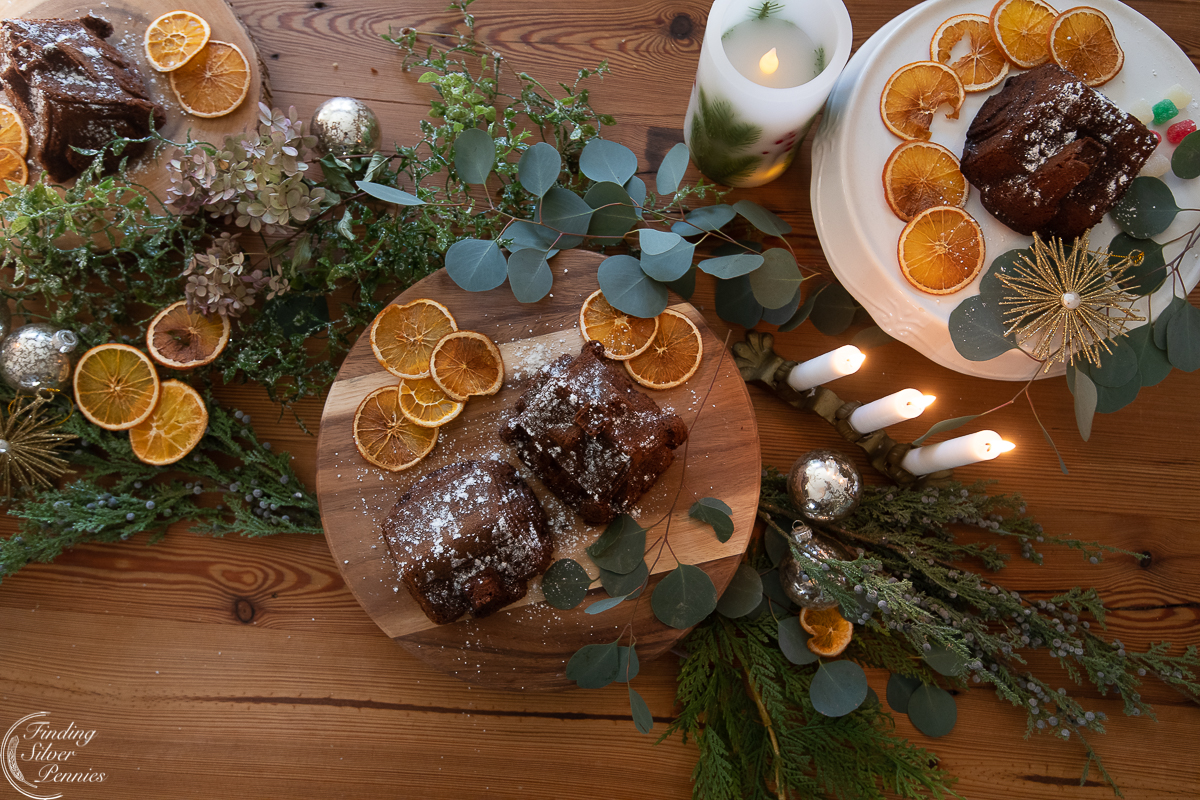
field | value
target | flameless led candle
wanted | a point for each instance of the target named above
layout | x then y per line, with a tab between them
823	369
981	446
766	68
904	404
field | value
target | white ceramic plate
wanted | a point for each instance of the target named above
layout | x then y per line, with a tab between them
858	231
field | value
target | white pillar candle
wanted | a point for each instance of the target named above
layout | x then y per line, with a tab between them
766	70
981	446
904	404
823	369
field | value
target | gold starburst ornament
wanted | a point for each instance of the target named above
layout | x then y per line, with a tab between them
31	444
1069	301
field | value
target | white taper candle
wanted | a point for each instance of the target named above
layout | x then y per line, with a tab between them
904	404
828	367
980	446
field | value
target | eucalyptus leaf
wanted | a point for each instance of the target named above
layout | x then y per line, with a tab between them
604	160
565	212
476	265
793	641
716	513
642	719
526	235
636	188
627	585
1085	403
776	545
1164	320
565	584
627	288
977	329
594	666
389	194
376	166
1147	209
805	310
932	711
685	285
946	425
838	688
1153	364
870	338
612	213
833	310
991	288
474	156
672	169
627	664
736	303
671	265
781	315
738	246
726	267
899	690
655	242
1183	338
539	168
945	661
766	221
708	218
684	597
529	275
622	546
1108	399
775	283
1116	368
1185	161
1149	273
604	604
773	589
743	594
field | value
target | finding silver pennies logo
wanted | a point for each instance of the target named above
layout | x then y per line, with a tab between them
38	756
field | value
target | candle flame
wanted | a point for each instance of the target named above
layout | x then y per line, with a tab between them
1004	447
853	356
769	62
928	399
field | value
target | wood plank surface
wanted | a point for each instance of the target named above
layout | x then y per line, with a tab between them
527	646
230	668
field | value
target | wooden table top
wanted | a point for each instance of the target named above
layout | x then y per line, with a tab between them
240	668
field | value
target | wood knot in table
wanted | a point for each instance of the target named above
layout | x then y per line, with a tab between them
244	610
681	27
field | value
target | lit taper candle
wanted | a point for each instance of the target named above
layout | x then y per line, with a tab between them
975	447
823	369
904	404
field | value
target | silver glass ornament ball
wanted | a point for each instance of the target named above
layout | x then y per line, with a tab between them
37	356
797	585
824	485
344	127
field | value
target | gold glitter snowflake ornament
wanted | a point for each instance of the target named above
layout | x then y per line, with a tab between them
30	444
1069	301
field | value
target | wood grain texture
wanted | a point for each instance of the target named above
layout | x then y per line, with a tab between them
527	646
301	695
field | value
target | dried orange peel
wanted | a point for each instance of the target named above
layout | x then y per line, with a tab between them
673	356
830	631
622	335
983	65
920	175
941	250
174	39
116	386
214	82
182	339
385	437
466	363
174	427
1021	29
914	93
403	336
1083	42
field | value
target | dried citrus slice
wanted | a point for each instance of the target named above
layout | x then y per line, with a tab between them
831	632
13	172
1082	41
921	175
403	337
941	250
983	65
116	386
12	132
183	339
174	38
466	363
914	92
174	427
214	82
387	438
673	356
424	402
622	335
1021	28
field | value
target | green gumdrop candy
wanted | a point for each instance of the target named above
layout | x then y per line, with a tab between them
1163	111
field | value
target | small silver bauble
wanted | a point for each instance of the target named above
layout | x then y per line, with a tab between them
824	485
344	127
37	356
800	588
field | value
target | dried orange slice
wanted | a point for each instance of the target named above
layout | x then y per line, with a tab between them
914	92
174	427
403	337
116	386
921	175
1021	28
941	250
13	172
831	632
183	339
12	132
673	356
424	402
1082	41
466	363
387	438
622	335
214	82
174	38
983	65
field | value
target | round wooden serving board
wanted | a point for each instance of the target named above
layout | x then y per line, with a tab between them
130	20
527	645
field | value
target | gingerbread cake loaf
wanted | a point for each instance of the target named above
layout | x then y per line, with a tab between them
591	436
73	89
468	537
1051	155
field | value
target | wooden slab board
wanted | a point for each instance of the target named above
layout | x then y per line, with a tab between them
129	19
528	644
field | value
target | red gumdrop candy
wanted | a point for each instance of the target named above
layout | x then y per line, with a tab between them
1177	132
